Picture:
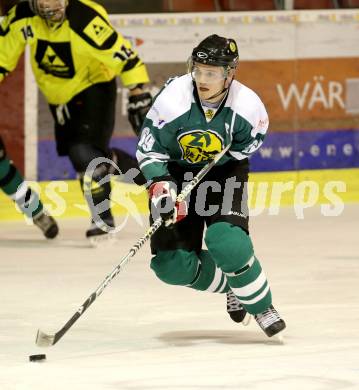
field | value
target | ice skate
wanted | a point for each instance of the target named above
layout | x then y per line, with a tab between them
235	309
46	224
270	321
99	233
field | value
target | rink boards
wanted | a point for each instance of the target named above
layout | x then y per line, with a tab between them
267	193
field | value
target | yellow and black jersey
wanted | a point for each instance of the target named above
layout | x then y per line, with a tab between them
69	57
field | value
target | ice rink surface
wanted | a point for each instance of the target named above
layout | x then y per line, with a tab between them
141	334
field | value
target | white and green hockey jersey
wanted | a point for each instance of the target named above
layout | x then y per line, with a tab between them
176	128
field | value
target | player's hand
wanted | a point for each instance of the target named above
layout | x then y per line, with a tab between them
163	194
137	108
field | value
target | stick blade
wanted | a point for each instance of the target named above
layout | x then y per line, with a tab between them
44	340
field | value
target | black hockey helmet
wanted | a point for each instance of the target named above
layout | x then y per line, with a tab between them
217	51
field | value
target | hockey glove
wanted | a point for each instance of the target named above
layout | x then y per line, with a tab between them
137	108
163	194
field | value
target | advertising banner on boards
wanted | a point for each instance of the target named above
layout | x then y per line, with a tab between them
304	65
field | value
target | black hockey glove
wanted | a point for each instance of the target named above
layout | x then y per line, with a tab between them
163	194
137	108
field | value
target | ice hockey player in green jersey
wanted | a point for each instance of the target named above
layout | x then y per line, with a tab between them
75	55
27	200
194	117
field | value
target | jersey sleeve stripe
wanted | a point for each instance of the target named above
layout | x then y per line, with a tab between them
22	11
238	155
159	156
88	14
130	64
248	150
150	161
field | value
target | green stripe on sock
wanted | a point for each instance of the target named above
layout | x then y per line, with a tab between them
33	208
4	168
259	306
252	296
207	273
11	187
220	283
246	277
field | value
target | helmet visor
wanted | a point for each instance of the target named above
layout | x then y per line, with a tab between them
203	74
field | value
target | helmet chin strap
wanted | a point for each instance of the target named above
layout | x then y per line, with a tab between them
224	89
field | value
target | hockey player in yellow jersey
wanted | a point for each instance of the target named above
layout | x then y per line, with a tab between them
75	56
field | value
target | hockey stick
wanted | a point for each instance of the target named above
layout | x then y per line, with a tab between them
46	340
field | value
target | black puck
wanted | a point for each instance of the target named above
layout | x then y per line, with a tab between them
37	358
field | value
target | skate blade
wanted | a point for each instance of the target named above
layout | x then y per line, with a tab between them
246	320
103	240
279	338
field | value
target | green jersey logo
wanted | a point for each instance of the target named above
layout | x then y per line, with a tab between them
198	145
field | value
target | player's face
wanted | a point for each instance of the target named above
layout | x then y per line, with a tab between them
209	79
52	10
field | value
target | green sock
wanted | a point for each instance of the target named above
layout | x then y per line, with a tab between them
209	277
251	287
183	268
13	184
232	250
